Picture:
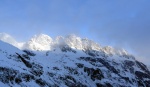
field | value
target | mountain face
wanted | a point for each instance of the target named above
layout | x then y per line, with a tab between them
69	62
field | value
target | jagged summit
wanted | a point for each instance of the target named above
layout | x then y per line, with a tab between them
39	42
41	37
76	42
71	41
43	42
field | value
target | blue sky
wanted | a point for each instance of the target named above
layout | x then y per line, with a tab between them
121	23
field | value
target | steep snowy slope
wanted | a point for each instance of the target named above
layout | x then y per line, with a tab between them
66	66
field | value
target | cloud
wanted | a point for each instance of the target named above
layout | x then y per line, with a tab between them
7	38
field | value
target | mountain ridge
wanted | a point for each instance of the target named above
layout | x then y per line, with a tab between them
43	42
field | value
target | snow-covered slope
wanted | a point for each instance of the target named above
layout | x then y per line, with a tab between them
70	65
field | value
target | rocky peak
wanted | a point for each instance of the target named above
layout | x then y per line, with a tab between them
39	42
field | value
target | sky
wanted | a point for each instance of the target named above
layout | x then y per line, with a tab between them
119	23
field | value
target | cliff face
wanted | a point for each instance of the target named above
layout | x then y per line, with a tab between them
67	67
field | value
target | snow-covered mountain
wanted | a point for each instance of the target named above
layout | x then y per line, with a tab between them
69	62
